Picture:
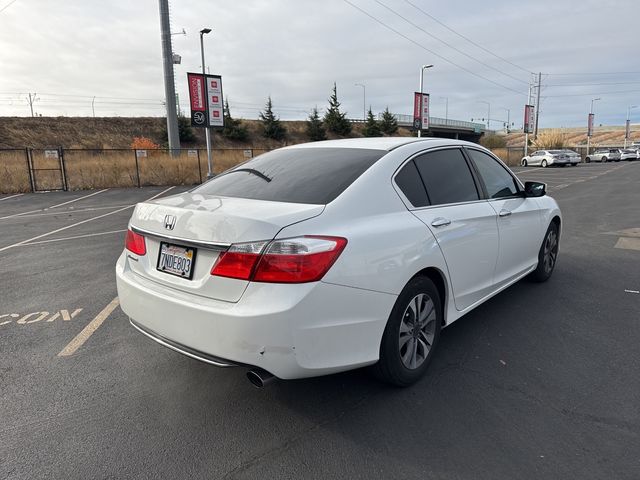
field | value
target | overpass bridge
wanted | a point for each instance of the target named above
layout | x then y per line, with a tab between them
445	127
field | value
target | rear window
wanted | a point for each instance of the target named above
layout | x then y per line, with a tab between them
299	175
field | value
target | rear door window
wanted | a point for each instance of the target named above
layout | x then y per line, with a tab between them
297	175
447	177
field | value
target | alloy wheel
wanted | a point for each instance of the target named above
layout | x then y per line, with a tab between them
417	331
550	250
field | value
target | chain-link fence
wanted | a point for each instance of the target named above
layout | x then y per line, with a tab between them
31	170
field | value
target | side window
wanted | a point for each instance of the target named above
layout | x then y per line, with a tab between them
497	180
447	177
408	180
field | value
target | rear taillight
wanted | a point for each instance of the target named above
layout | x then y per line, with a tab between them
135	243
293	260
238	261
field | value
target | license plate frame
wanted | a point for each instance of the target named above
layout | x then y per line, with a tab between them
172	248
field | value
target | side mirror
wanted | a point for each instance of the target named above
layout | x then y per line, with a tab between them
535	189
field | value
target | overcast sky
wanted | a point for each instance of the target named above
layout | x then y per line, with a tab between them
69	51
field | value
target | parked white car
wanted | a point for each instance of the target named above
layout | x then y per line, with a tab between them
604	155
628	154
330	256
547	158
574	157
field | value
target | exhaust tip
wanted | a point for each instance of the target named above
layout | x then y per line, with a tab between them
259	378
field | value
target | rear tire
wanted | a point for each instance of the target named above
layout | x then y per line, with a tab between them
411	334
544	164
548	255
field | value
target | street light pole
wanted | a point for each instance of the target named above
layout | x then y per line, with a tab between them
364	100
422	69
207	131
488	113
626	125
446	109
508	117
589	133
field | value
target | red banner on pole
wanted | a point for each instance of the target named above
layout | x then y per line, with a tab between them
421	111
197	100
529	118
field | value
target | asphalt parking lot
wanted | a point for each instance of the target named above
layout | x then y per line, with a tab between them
540	382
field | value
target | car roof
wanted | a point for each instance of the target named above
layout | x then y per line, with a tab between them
381	143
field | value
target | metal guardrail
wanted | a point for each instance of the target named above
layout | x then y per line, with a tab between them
407	121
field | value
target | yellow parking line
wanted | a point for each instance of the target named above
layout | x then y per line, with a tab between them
87	331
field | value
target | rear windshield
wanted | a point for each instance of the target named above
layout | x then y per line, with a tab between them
299	175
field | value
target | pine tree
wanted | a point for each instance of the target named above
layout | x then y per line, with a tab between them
315	128
388	122
272	128
371	127
334	119
233	129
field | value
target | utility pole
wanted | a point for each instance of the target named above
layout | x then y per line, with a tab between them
364	101
32	100
93	110
627	125
535	132
526	134
169	83
589	132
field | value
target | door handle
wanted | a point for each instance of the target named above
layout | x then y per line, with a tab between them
440	222
504	213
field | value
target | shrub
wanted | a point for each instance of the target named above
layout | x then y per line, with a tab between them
550	140
233	129
272	128
315	128
388	123
493	141
371	127
335	120
143	143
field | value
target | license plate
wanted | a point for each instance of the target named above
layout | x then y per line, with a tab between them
176	260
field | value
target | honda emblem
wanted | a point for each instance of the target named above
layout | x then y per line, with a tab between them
169	222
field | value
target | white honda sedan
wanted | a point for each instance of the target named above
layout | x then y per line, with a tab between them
329	256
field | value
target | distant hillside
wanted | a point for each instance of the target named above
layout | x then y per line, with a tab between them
118	132
605	135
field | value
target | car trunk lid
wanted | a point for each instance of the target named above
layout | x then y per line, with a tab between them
201	227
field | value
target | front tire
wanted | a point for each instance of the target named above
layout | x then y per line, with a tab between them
524	162
604	159
587	160
548	255
411	334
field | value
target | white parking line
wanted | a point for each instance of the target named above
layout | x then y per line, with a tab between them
11	196
87	331
76	199
72	210
528	170
29	240
73	238
53	206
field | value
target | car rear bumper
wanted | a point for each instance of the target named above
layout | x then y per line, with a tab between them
291	331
